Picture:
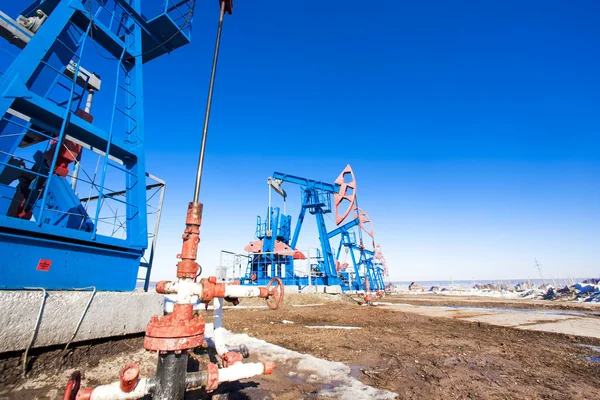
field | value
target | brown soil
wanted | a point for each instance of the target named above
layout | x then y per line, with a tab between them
412	355
422	357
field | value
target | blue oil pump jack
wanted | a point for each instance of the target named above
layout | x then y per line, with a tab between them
50	237
367	266
274	251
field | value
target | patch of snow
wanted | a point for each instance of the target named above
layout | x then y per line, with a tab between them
285	321
315	370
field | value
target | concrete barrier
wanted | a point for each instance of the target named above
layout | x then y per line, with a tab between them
110	314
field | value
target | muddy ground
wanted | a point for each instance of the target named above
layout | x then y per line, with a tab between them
490	302
415	356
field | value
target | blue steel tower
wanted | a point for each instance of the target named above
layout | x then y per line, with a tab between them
53	213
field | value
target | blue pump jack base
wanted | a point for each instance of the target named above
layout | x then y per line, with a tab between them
62	227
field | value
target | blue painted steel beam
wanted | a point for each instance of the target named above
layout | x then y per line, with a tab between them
307	183
102	35
329	262
298	227
30	228
142	23
344	228
137	220
45	110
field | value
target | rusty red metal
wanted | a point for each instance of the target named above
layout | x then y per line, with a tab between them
176	345
367	293
379	256
67	154
282	249
24	211
340	266
364	220
264	293
255	246
182	312
188	267
84	394
212	377
72	386
211	289
269	367
275	294
232	357
178	331
228	5
298	255
279	248
128	378
84	115
347	192
161	287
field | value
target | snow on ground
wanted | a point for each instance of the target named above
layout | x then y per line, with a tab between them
334	376
579	292
466	292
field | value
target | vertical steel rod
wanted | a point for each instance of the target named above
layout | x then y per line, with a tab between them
208	104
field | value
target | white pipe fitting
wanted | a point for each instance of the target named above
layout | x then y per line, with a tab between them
241	371
186	289
88	101
241	291
218	327
114	392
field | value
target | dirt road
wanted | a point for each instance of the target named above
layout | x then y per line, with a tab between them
425	357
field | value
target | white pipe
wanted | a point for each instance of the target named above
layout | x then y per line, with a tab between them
240	371
114	392
187	288
309	272
88	102
268	230
241	291
218	327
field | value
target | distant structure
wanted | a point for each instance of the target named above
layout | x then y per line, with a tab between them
355	264
537	264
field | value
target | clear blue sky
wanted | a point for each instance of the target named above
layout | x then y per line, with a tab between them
473	128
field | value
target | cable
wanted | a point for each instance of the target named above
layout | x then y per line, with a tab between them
87	306
35	329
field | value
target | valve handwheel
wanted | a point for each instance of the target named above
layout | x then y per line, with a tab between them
275	298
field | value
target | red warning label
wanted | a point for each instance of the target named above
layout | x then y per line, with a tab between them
44	265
